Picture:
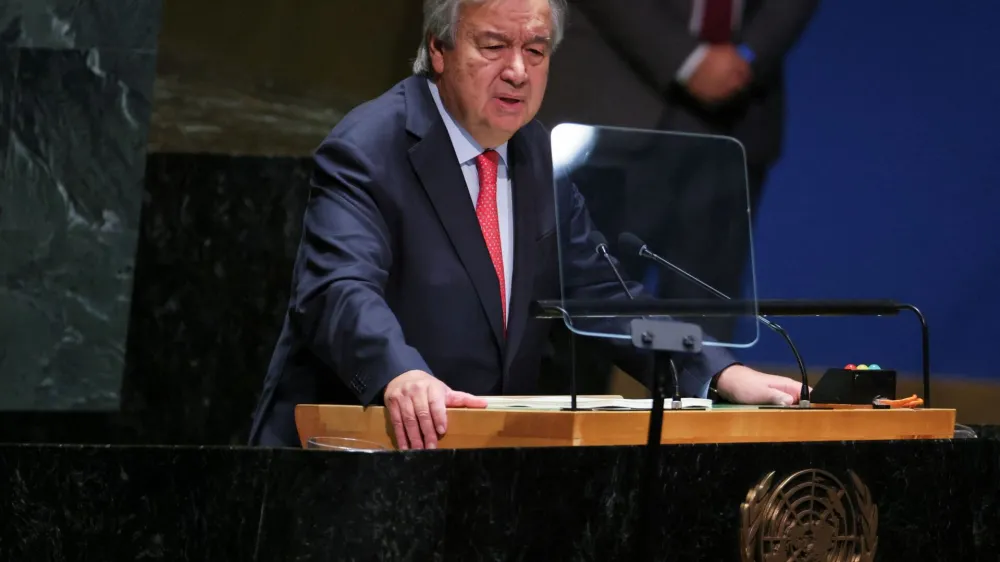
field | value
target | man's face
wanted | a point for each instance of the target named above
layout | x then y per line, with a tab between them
493	80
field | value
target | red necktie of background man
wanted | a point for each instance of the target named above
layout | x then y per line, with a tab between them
489	222
717	21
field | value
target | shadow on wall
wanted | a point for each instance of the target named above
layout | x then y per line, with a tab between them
340	51
274	80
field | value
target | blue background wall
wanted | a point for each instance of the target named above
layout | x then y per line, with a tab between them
890	185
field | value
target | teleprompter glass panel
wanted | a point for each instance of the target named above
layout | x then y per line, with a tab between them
671	212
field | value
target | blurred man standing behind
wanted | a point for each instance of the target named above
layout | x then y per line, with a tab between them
697	66
693	66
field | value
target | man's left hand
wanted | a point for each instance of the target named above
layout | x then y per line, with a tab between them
743	385
721	74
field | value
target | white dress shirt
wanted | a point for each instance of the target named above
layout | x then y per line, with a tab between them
466	150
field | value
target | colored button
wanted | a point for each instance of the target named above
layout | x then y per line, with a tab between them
873	367
849	367
862	367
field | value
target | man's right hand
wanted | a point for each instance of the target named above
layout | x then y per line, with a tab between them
721	74
417	405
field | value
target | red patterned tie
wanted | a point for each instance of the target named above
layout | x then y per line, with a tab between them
717	23
486	211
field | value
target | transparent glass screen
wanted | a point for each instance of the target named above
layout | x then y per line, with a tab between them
672	212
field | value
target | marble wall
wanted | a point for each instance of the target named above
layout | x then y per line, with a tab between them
218	237
215	249
76	81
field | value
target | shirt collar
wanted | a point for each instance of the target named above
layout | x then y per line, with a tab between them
466	147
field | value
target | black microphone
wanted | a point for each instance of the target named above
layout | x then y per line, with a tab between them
633	243
602	250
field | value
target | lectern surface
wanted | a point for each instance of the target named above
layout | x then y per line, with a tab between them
525	427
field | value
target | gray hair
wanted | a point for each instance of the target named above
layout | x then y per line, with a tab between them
441	22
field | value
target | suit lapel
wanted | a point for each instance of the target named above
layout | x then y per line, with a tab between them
442	179
526	189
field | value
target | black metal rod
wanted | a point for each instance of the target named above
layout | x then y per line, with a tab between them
925	348
661	363
572	372
650	484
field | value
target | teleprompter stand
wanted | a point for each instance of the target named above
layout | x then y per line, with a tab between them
584	308
662	337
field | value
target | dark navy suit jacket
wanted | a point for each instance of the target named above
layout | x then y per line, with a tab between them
392	272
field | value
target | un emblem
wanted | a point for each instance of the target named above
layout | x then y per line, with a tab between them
810	516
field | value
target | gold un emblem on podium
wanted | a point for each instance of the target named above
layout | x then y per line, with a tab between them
810	516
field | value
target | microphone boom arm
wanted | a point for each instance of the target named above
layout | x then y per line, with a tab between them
644	252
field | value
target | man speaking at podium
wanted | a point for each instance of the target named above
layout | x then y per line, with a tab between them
429	230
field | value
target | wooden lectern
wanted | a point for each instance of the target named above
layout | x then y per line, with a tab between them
513	427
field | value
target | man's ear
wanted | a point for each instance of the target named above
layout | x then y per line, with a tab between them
436	47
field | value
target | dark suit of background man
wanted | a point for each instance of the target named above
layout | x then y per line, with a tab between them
697	66
430	228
